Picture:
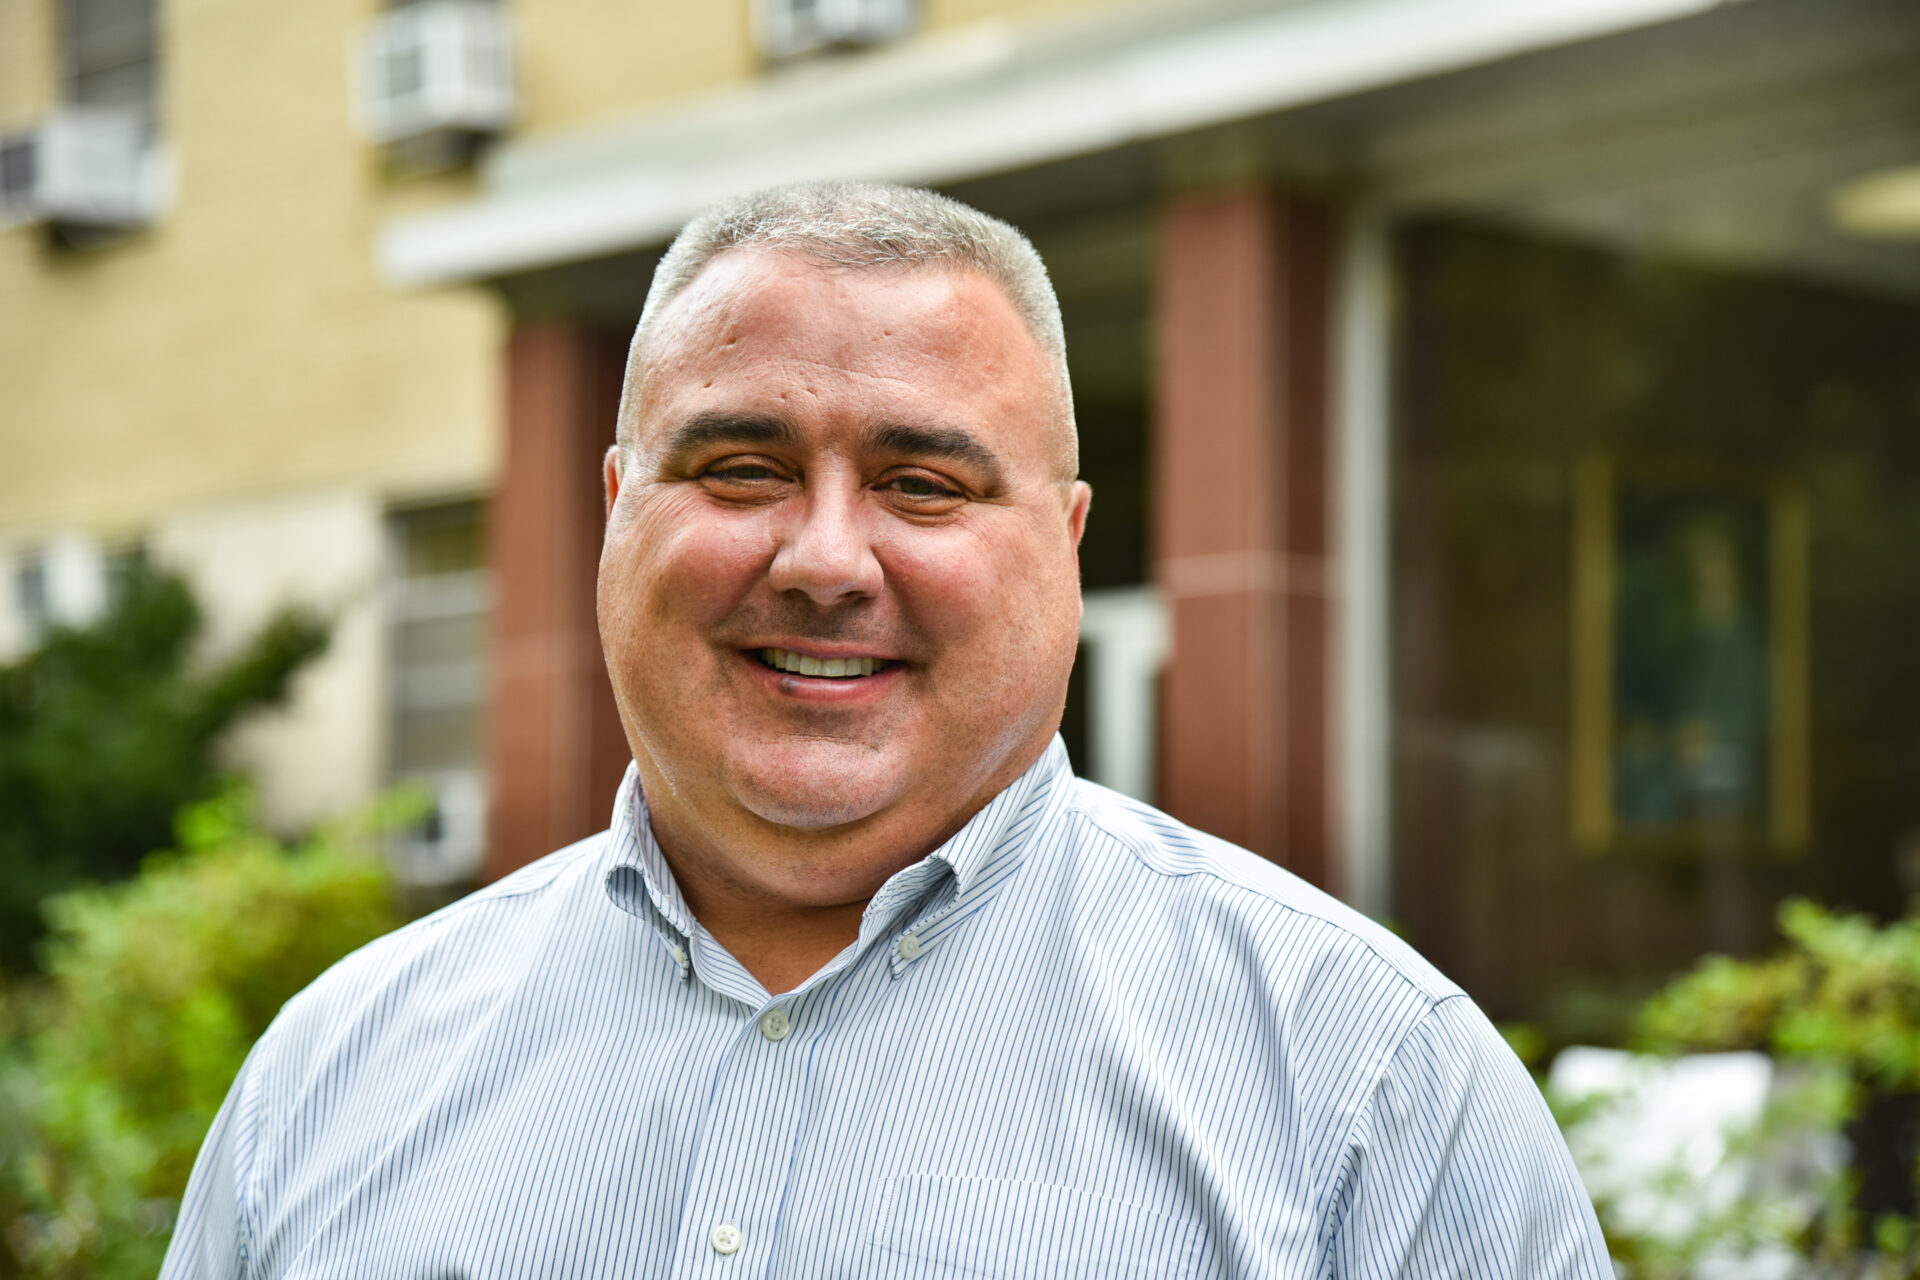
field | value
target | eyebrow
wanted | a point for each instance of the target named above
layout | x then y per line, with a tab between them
949	444
705	430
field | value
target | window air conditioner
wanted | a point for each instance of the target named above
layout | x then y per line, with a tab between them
442	66
791	27
87	167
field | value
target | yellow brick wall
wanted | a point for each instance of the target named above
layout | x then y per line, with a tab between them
585	62
27	72
938	15
244	345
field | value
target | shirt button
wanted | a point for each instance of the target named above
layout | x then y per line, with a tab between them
774	1025
725	1238
909	946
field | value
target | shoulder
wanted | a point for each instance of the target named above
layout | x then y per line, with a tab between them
1319	1004
1202	884
457	953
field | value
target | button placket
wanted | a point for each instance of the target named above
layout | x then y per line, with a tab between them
745	1154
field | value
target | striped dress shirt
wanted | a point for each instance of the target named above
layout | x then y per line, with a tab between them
1077	1040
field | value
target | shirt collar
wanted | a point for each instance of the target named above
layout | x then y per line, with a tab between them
979	856
998	832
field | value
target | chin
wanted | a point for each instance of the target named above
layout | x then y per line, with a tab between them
818	785
811	809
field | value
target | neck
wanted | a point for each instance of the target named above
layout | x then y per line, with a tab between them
780	947
785	900
784	912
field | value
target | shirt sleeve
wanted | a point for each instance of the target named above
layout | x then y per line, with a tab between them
209	1239
1454	1167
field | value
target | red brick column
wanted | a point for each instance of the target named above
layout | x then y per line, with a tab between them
1242	516
555	751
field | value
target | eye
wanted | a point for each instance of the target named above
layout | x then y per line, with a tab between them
921	492
742	478
742	471
919	486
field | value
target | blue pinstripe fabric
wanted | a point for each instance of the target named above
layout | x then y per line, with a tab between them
1078	1040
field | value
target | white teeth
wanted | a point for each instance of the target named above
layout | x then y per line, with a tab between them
801	665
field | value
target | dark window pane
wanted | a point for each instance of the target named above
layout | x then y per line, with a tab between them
16	168
131	86
109	49
443	540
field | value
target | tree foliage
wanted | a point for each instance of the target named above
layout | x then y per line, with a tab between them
156	990
107	730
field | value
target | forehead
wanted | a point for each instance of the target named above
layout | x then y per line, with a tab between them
771	326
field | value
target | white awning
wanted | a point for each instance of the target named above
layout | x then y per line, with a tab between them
983	100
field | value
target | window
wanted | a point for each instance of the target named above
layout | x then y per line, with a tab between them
19	165
69	581
437	611
30	595
110	55
91	167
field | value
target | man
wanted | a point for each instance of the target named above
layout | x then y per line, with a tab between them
862	981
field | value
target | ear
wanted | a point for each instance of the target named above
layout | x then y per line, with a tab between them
610	466
1081	499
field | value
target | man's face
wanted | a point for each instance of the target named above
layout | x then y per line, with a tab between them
839	594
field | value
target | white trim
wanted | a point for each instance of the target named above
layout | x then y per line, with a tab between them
1363	377
986	100
1126	635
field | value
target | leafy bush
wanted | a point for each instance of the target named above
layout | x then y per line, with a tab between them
1844	991
106	731
1838	1007
155	991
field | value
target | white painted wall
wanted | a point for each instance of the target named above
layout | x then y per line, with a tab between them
321	755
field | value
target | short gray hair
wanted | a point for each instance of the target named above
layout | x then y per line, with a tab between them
860	226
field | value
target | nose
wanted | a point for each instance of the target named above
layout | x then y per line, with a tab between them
824	550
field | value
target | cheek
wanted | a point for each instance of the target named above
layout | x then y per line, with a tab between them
940	580
994	600
669	561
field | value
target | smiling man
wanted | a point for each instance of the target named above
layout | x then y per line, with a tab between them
861	980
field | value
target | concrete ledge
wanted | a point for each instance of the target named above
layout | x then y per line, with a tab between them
983	100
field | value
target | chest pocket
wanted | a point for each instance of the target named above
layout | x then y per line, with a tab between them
933	1227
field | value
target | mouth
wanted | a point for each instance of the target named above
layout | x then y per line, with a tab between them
787	662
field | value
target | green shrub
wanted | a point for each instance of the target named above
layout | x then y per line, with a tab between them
1839	1003
107	731
155	990
1844	991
